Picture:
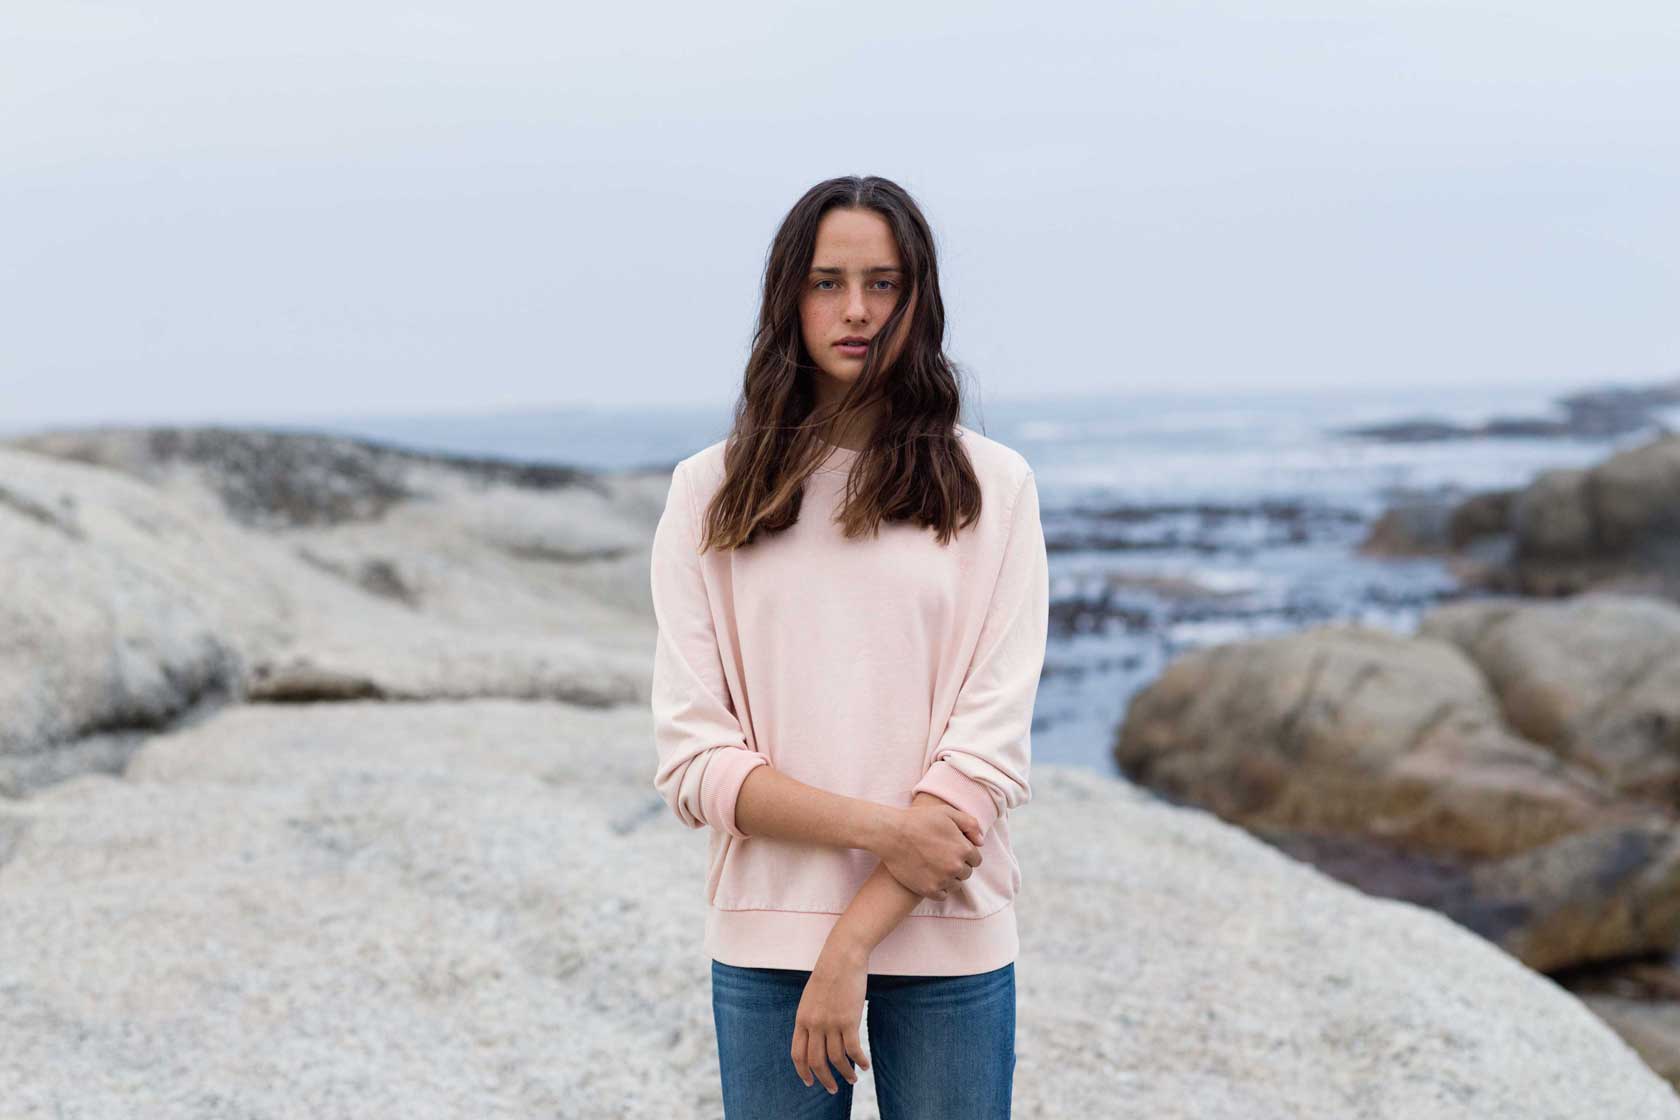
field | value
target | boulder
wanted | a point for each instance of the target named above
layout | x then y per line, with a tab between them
1351	729
1611	527
480	908
1511	765
139	598
1594	679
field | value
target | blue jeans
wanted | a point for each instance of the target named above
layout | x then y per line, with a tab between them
940	1047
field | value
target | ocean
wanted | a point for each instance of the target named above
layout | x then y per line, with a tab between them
1173	520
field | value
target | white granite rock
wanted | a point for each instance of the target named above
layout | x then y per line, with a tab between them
131	607
482	909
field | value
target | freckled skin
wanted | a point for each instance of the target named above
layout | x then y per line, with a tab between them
854	302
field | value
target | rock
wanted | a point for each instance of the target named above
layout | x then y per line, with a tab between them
1513	766
1611	409
1596	413
1652	1029
447	888
1206	527
123	612
1480	515
1635	499
1417	527
1443	523
1603	894
1551	517
1642	1002
1348	729
1416	429
1613	527
136	605
480	908
282	479
1594	679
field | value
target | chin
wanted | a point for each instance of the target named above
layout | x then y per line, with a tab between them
843	376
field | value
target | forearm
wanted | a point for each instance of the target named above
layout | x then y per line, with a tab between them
772	804
875	911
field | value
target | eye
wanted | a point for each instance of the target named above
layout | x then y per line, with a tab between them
890	284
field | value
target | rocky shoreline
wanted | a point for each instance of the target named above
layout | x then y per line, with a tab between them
1513	765
1590	414
325	790
1614	526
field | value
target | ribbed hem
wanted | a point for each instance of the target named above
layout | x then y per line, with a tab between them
920	945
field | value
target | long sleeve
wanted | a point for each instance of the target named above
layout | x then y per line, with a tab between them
703	753
981	763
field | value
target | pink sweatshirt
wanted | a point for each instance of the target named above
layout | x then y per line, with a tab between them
872	668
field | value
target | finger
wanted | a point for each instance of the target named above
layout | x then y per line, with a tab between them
818	1060
854	1047
799	1066
837	1056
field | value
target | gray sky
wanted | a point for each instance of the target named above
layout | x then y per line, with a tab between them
226	211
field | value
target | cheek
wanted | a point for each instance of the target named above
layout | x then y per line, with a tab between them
811	316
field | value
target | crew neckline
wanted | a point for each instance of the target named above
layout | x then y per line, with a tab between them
838	458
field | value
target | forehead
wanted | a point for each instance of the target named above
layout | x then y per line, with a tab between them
857	240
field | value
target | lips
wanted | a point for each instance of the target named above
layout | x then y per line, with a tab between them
854	340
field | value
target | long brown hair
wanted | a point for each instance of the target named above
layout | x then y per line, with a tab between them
914	467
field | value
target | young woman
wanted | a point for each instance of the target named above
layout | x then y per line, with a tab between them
852	598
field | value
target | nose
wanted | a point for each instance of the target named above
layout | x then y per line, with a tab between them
856	311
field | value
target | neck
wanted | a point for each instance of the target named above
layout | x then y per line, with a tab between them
855	433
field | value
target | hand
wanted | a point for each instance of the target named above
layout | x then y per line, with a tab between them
932	846
826	1025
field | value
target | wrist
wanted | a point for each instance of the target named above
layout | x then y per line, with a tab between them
877	825
844	949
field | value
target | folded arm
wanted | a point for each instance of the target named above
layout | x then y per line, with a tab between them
875	911
770	803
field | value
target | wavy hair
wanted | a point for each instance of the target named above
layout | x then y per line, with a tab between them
914	468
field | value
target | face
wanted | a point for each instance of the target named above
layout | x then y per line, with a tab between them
854	284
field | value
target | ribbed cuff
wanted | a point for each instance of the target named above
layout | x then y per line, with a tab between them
720	786
950	784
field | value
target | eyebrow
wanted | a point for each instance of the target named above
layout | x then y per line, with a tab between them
831	271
